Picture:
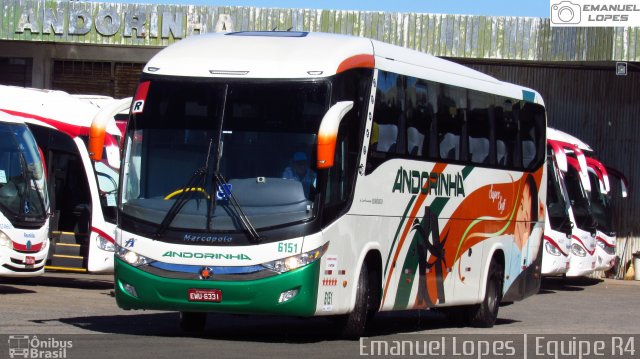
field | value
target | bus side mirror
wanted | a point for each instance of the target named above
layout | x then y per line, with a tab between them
623	188
98	129
328	133
561	157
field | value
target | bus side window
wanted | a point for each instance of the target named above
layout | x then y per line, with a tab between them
479	127
531	131
387	114
449	146
506	130
451	117
419	118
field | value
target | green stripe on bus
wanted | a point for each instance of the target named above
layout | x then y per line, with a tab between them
408	274
465	171
410	265
395	238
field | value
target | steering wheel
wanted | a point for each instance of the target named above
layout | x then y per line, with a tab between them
190	189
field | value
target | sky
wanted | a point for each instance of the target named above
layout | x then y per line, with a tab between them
530	8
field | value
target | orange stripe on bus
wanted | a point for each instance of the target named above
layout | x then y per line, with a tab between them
438	168
357	61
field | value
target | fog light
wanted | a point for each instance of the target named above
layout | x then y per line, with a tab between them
287	295
131	290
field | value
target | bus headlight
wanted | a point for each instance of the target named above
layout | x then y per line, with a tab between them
5	241
132	258
297	261
577	250
105	244
551	249
606	248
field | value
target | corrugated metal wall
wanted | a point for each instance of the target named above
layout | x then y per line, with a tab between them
490	37
600	108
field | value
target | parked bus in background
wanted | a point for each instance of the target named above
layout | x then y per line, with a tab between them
559	224
101	101
583	243
600	197
24	202
309	174
83	193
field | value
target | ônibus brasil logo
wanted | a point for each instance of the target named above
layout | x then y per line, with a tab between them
24	346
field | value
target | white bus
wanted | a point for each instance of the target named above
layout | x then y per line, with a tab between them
310	174
583	243
24	202
559	225
82	192
600	197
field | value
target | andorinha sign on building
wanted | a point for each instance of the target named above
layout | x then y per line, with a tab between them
110	21
461	36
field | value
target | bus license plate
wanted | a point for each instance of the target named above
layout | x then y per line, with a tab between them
205	295
29	260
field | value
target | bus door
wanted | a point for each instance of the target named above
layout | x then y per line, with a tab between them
70	200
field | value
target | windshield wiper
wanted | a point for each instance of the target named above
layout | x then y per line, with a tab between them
220	182
30	173
197	180
246	223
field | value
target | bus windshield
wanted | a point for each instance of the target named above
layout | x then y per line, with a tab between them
600	205
579	200
556	204
198	147
23	191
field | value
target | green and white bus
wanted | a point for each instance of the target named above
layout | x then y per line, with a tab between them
309	174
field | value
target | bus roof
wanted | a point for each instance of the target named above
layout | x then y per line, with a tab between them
557	135
6	118
51	108
295	55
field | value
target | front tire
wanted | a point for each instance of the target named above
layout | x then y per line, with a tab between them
484	315
355	323
193	322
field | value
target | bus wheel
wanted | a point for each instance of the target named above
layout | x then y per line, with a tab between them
355	323
484	315
192	322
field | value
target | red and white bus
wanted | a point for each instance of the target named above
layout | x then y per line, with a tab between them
82	192
24	202
559	226
600	196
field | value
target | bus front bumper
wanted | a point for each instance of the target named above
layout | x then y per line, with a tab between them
21	264
260	296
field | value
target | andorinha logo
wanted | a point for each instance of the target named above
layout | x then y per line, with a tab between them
434	183
200	255
595	13
32	347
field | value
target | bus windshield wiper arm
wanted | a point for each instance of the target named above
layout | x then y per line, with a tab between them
183	197
31	176
246	223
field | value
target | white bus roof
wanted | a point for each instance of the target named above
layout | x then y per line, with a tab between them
557	135
6	118
51	108
295	55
